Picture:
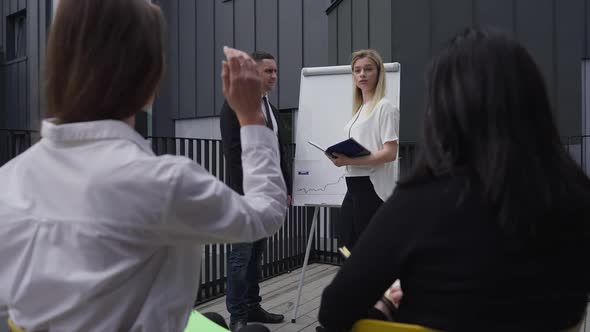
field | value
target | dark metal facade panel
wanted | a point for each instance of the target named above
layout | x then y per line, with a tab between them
205	46
23	94
360	24
315	34
556	33
224	36
569	31
187	74
380	27
333	37
169	91
33	72
3	107
535	29
290	54
2	18
498	14
267	34
344	32
245	22
587	24
45	14
448	18
11	85
412	50
163	124
5	12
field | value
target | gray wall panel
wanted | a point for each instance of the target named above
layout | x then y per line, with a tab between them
315	34
380	27
587	22
245	23
187	76
12	96
23	109
44	9
22	4
344	32
224	36
360	24
34	69
333	37
13	6
448	18
205	44
569	27
538	38
267	33
497	13
163	107
173	58
5	11
3	107
412	50
1	30
290	53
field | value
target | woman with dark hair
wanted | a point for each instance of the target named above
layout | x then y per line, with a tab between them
96	232
491	231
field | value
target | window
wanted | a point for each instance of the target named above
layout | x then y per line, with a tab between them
16	35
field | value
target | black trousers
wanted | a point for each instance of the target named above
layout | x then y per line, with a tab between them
359	205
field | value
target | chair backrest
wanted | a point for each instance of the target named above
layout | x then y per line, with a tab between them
12	327
372	325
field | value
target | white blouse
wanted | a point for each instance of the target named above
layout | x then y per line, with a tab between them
99	234
373	130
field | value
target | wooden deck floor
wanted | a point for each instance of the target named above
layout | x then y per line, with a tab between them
278	296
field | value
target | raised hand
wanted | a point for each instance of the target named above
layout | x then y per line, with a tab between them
241	86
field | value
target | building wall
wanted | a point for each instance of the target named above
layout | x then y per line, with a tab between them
410	32
20	106
295	31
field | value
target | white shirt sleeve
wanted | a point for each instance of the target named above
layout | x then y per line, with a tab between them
202	208
389	122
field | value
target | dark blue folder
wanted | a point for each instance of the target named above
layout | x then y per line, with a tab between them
349	148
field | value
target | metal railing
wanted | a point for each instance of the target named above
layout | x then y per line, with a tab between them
285	249
14	141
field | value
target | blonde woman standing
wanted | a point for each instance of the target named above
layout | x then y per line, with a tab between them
370	179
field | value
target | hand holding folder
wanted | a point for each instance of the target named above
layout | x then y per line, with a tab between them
350	148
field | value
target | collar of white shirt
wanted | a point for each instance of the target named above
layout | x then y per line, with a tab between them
92	131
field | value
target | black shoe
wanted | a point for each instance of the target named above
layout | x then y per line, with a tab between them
262	316
237	325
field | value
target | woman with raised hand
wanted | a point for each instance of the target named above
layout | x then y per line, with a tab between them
97	232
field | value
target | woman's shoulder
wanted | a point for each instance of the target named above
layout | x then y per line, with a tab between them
385	105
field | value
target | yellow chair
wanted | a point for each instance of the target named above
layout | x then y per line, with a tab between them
372	325
13	328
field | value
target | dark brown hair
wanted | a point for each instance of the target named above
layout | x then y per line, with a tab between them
105	59
260	55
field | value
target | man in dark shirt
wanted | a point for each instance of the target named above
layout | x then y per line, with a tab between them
244	260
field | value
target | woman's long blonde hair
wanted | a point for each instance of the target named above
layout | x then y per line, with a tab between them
357	99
